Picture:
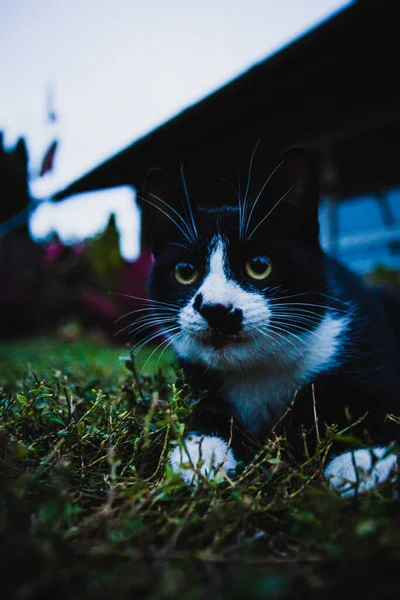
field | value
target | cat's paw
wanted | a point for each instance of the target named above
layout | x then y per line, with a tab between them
356	472
202	456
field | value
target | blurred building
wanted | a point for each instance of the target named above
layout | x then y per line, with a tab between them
45	286
19	256
333	91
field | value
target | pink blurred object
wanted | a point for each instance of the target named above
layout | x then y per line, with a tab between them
131	288
98	305
53	251
133	281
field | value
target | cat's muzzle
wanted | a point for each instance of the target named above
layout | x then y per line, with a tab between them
223	319
219	341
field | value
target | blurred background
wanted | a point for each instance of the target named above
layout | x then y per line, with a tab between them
96	92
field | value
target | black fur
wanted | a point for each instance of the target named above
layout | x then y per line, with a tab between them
365	380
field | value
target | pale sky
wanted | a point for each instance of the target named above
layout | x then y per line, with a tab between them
119	68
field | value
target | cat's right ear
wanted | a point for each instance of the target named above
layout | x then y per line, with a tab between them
168	213
158	199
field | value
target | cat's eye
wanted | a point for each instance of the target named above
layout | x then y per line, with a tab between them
185	273
258	267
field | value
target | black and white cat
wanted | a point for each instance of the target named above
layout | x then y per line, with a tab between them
257	312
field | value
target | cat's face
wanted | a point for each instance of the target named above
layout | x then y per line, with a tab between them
241	285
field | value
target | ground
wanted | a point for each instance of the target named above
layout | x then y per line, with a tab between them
90	508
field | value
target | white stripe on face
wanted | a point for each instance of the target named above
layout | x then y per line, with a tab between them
217	288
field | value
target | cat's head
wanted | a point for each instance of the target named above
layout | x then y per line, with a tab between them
241	283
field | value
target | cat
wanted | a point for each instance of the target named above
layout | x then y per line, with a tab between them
259	314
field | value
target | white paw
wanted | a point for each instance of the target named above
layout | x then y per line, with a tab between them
204	456
358	471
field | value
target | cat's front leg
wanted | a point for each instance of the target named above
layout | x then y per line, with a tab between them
357	471
202	456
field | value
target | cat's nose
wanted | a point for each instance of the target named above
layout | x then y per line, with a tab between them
223	318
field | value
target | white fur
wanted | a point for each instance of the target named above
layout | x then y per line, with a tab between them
263	371
204	456
262	396
358	471
218	289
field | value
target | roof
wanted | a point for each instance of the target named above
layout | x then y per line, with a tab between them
334	90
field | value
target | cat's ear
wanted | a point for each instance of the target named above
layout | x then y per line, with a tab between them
162	208
293	194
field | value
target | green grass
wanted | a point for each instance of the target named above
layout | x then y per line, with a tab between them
91	360
90	508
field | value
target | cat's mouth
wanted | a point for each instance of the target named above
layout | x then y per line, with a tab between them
220	341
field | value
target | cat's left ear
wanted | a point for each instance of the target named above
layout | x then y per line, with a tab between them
167	211
294	194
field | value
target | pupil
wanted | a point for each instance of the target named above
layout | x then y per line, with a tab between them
259	264
186	270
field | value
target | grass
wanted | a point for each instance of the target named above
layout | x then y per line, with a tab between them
90	508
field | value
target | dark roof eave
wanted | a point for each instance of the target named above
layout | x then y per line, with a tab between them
115	171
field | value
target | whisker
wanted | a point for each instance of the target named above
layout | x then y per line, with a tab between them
273	289
167	341
135	330
239	197
149	319
259	194
271	330
158	302
233	187
286	333
179	246
171	208
294	310
154	317
187	233
267	335
289	295
299	327
314	305
173	338
142	323
271	211
153	337
276	298
148	342
239	188
148	308
302	341
275	310
243	213
296	319
189	206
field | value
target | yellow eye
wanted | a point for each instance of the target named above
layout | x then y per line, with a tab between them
185	273
258	267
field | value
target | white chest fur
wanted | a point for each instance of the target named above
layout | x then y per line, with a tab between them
261	395
259	399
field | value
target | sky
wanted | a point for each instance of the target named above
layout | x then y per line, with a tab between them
116	69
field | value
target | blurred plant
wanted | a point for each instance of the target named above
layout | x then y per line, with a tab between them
104	256
70	331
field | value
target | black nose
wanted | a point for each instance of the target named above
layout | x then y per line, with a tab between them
221	317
